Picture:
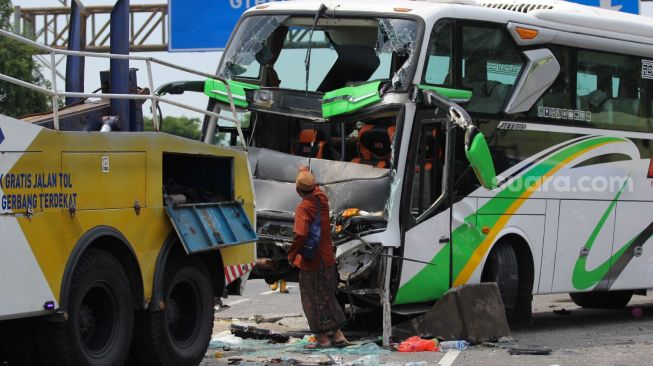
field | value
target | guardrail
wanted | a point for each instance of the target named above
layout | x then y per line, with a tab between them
155	99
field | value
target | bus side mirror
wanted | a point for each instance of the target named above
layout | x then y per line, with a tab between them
479	157
459	96
541	71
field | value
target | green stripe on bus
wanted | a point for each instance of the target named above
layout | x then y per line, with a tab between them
432	281
582	278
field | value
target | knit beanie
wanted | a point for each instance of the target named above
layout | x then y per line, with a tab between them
305	181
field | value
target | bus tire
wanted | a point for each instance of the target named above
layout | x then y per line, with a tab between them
602	299
502	267
180	333
100	316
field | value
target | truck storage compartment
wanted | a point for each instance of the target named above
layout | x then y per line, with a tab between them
200	179
198	195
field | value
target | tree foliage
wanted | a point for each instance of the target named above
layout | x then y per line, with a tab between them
17	60
178	126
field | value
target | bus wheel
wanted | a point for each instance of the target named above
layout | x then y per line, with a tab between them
180	333
100	316
602	299
502	267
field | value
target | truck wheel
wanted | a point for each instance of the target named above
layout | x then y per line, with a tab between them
100	316
18	342
602	299
179	334
502	267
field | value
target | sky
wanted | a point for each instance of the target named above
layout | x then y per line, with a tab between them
202	61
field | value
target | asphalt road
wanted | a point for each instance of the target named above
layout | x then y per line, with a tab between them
576	336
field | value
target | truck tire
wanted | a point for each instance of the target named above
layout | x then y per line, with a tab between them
502	267
18	342
602	299
100	316
179	334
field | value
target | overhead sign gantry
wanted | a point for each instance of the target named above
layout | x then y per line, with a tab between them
204	25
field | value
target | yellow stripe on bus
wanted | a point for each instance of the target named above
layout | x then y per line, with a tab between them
481	250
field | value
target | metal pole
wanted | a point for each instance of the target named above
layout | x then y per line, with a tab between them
27	85
212	126
387	315
17	14
75	64
55	99
451	160
120	68
46	64
155	115
235	116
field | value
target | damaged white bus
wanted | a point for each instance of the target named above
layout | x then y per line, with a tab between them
365	93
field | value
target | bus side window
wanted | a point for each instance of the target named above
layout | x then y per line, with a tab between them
490	65
609	86
560	93
439	66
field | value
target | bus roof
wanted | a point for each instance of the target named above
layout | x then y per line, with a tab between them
552	14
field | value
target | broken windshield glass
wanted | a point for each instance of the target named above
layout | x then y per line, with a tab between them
270	50
249	44
398	36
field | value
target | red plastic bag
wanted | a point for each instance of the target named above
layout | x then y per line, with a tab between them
417	344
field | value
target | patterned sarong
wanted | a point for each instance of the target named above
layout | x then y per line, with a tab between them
318	293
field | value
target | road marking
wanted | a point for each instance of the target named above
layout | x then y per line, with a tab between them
237	302
449	357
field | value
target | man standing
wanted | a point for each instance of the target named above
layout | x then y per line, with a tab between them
318	276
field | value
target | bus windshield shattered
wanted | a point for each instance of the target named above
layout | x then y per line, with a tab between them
273	50
324	92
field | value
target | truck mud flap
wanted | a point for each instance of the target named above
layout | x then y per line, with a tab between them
208	226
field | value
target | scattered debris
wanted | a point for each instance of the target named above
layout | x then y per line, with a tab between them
417	344
368	360
219	305
471	312
503	342
263	348
234	360
250	332
459	345
225	339
529	350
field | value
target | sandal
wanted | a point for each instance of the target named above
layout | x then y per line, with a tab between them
341	344
317	346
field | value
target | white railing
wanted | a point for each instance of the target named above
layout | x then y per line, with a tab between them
155	99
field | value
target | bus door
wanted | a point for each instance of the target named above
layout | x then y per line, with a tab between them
426	233
424	272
